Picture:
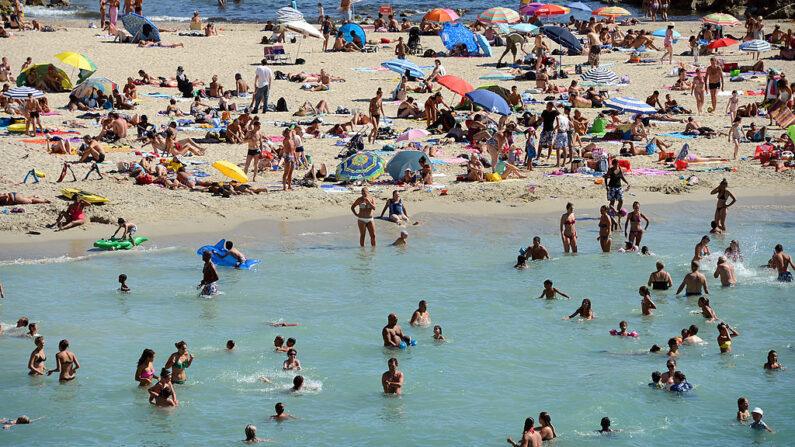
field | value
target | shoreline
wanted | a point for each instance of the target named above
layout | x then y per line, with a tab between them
250	225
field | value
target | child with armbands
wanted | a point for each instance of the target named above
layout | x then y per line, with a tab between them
622	326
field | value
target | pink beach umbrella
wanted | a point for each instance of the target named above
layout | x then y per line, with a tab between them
412	134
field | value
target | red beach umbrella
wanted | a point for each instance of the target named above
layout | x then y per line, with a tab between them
455	84
725	42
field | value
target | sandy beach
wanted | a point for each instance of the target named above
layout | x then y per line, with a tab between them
237	50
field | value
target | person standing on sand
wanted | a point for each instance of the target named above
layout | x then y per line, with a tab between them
254	140
210	278
102	12
668	43
289	154
694	281
714	81
345	6
392	380
594	47
365	216
262	83
376	111
698	90
782	262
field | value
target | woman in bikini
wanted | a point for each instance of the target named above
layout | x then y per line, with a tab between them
633	221
584	311
365	215
725	335
660	279
605	229
179	362
14	198
37	358
723	203
702	249
67	363
567	231
698	90
145	371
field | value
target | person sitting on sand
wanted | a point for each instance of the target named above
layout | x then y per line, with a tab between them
643	41
755	134
397	210
91	150
317	174
409	109
182	146
672	106
693	127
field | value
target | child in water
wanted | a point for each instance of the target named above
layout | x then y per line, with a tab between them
521	263
742	410
278	344
123	281
437	333
549	292
656	381
622	330
706	311
758	424
129	230
280	414
234	252
230	345
606	426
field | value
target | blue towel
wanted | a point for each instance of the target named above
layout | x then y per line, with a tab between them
678	135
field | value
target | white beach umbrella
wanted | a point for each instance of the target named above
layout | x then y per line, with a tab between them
755	46
600	76
22	93
303	28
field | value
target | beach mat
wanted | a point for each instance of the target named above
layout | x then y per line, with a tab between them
783	117
678	135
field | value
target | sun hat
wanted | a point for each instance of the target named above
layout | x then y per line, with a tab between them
758	410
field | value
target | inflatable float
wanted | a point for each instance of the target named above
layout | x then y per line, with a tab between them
228	261
116	244
87	196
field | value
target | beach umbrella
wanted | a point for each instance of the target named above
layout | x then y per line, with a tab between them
630	105
87	88
755	46
22	93
489	101
563	37
524	28
494	88
455	84
504	28
349	29
303	28
231	170
41	71
441	15
530	8
498	75
611	11
551	10
361	166
288	14
661	33
600	75
76	60
579	5
412	134
498	14
719	43
720	19
140	27
404	160
453	34
401	65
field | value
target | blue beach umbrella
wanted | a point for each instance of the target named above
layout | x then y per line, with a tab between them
504	28
404	160
140	27
361	166
579	5
22	93
489	101
631	105
755	46
525	28
349	29
563	37
454	33
661	33
401	65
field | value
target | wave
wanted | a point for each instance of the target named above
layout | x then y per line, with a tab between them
92	253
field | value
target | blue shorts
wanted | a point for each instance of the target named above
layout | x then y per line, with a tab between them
615	194
785	276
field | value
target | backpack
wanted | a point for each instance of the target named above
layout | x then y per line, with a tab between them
144	179
281	105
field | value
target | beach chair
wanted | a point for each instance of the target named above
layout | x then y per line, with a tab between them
281	55
269	54
370	49
195	26
783	116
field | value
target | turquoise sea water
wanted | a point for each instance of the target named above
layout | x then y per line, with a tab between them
509	355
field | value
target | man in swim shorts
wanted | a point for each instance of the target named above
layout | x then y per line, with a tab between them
393	333
392	380
210	276
694	281
536	251
714	81
613	179
782	262
725	270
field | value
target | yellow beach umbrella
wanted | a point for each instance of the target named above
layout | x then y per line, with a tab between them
76	60
231	170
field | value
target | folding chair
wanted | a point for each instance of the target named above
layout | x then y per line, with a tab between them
269	54
281	55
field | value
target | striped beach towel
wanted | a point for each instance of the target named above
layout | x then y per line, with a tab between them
783	116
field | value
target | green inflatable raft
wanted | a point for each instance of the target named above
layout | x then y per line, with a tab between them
116	244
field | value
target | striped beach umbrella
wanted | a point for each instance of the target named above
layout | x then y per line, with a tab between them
361	166
88	87
498	14
600	76
611	11
630	105
720	19
288	14
22	93
755	46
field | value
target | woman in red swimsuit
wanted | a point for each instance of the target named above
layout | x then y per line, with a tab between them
73	216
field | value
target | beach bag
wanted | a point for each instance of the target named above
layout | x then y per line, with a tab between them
602	165
428	53
281	105
144	179
493	177
300	61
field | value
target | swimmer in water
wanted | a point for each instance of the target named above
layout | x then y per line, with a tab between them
568	233
742	410
289	344
437	333
673	347
702	249
633	222
547	430
209	284
123	281
37	357
179	361
230	345
392	333
725	335
521	263
165	398
706	311
725	270
292	362
758	424
680	383
536	251
660	279
392	380
22	420
145	371
605	423
646	304
782	262
66	363
550	292
772	361
714	228
694	281
622	329
280	414
251	430
692	338
668	376
298	384
606	224
421	317
530	437
733	252
233	252
656	381
33	330
402	240
278	343
583	311
271	323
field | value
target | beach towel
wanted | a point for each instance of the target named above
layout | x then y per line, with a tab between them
677	135
156	95
783	116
